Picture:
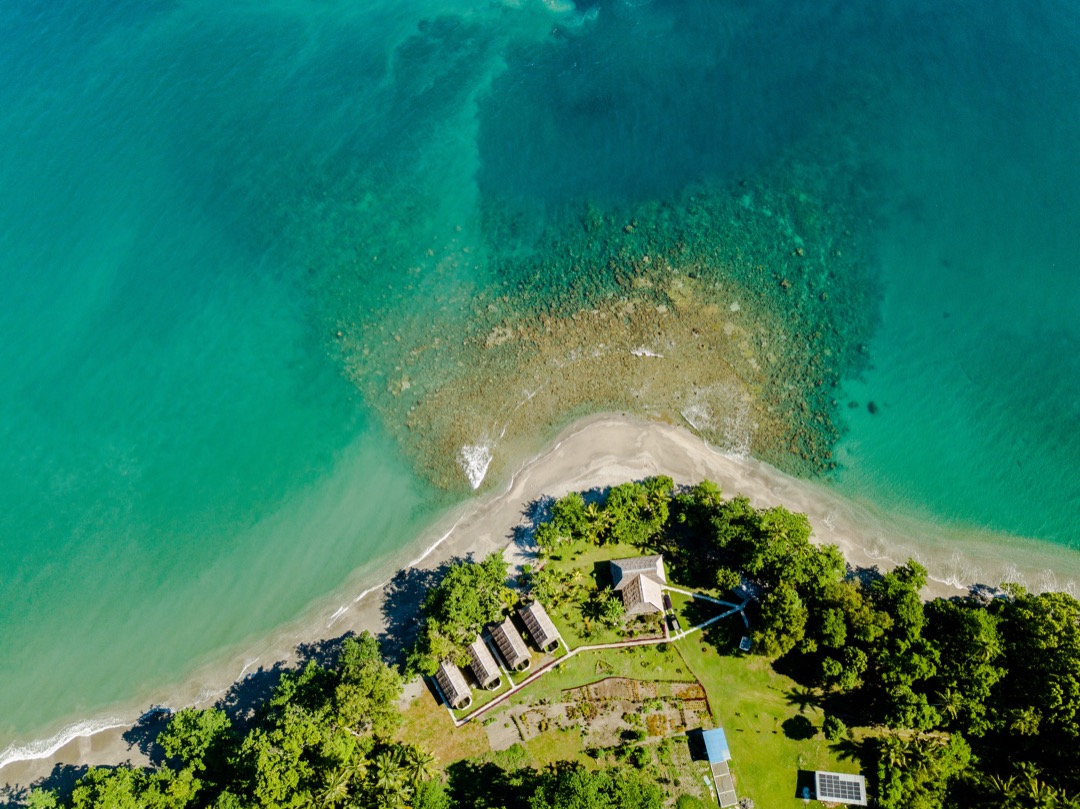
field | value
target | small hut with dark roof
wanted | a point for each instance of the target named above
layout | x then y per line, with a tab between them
542	630
453	686
511	646
483	664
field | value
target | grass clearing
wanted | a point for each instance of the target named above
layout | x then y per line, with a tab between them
636	662
756	707
427	723
558	745
481	697
590	559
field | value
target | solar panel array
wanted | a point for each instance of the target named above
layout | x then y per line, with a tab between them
832	787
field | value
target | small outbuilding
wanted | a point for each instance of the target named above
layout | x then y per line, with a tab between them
719	755
640	580
511	645
541	629
840	787
483	665
452	683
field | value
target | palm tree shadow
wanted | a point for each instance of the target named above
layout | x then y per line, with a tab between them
849	749
803	698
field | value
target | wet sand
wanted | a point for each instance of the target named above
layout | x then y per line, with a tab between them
596	452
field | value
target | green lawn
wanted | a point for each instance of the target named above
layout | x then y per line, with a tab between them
426	722
636	662
591	559
760	710
571	625
592	562
693	611
481	697
752	703
558	745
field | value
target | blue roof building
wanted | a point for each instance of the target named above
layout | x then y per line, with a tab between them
716	746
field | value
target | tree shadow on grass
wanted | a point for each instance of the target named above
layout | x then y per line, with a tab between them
804	698
799	728
864	752
724	635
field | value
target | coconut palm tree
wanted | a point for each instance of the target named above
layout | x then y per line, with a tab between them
895	752
391	782
1026	722
950	701
335	788
420	765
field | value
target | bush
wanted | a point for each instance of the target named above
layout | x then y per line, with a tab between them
639	757
834	728
690	802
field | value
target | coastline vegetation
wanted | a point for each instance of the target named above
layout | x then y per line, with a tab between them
971	701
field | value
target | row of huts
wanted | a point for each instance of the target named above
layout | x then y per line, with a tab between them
512	650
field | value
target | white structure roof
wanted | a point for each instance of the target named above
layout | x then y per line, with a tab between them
840	787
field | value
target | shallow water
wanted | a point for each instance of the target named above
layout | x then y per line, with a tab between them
195	193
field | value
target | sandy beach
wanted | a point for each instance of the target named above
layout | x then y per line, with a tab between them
597	452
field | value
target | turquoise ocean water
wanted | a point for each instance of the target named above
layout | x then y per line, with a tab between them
184	466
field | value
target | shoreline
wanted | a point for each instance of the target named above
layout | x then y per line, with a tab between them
596	451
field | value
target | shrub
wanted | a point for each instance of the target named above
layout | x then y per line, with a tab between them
690	802
834	728
640	758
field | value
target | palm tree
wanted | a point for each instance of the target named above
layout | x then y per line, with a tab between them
1006	789
950	701
1026	722
335	788
420	764
895	752
391	784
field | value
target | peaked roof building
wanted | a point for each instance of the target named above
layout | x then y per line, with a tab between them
541	629
511	646
483	665
640	580
453	686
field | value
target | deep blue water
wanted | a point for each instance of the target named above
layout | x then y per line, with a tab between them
184	466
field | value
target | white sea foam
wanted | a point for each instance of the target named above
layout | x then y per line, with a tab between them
43	748
474	460
698	416
646	352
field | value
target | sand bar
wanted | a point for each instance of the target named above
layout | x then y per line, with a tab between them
596	452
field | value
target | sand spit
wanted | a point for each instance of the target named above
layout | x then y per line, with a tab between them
596	452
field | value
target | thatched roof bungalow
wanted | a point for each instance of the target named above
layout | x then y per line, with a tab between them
452	683
541	629
511	646
483	665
